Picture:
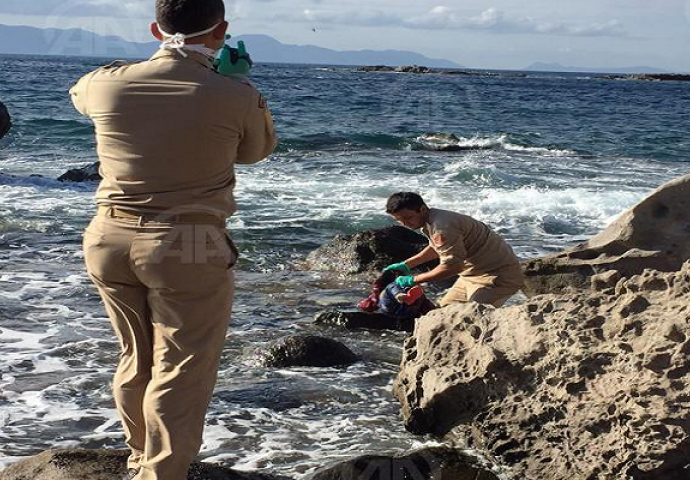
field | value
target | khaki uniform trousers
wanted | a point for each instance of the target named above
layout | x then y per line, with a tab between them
493	288
168	290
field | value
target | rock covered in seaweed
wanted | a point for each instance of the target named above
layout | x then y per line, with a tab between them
572	387
368	251
652	234
306	351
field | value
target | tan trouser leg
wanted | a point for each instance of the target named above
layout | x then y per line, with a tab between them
124	297
188	296
490	289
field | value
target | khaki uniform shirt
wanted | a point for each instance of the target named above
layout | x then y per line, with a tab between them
169	131
460	239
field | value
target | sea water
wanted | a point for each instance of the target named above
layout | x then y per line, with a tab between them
546	160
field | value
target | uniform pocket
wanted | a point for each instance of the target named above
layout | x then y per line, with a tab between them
234	252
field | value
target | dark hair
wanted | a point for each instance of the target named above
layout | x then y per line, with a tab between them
404	201
188	16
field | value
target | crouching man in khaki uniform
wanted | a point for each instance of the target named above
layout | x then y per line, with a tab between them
169	131
489	271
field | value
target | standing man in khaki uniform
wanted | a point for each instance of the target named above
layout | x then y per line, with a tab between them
489	272
169	131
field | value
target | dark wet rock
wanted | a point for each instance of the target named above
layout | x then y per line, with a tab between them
652	234
432	463
80	464
651	77
377	68
83	174
412	69
5	120
306	351
581	386
368	251
355	320
447	142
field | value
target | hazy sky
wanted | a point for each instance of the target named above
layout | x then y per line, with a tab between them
474	33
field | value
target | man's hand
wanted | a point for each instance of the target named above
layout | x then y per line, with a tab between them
401	267
234	61
406	281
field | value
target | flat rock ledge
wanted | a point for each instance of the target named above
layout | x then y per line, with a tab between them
652	234
79	464
356	320
583	386
434	463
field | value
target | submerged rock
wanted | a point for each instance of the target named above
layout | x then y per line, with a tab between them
582	386
83	174
354	320
5	120
306	351
652	234
367	251
434	463
81	464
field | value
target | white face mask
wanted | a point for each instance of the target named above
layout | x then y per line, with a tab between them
176	41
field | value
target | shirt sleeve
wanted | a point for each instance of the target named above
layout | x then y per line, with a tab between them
79	93
450	248
258	136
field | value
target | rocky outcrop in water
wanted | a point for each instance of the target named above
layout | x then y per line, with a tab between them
425	464
83	174
582	386
422	69
651	77
355	320
105	465
306	351
652	234
368	251
5	120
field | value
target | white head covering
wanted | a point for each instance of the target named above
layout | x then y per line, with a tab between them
176	41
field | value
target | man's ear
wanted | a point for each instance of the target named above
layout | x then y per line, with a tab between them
218	33
155	31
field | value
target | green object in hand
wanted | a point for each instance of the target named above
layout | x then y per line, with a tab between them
233	61
406	281
402	267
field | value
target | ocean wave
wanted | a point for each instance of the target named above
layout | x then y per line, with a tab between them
446	142
430	141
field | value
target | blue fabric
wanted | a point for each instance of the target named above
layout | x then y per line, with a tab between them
389	305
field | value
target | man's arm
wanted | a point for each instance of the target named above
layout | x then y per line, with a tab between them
258	136
78	93
426	255
441	272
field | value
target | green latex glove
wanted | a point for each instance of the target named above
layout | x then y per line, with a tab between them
233	61
401	267
406	281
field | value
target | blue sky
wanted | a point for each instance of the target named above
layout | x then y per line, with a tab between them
483	34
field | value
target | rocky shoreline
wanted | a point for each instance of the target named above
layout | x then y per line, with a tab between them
588	379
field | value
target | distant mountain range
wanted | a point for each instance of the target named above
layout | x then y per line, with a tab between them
23	40
557	67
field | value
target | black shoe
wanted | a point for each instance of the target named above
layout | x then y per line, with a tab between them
131	473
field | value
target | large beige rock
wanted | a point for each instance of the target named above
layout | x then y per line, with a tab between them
584	386
652	234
